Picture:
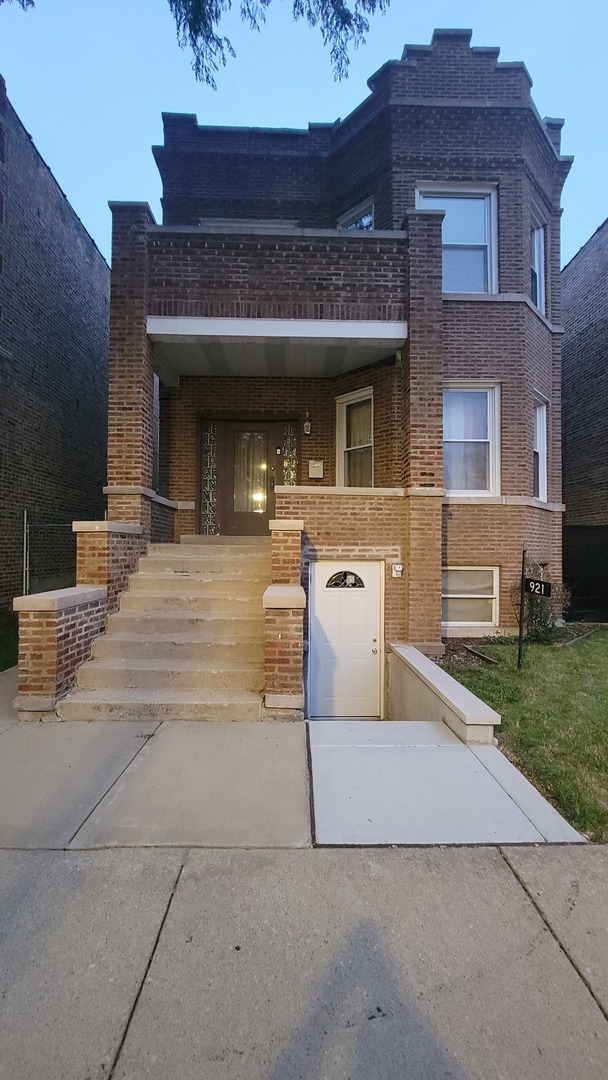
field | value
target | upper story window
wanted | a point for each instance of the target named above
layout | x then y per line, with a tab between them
355	439
471	439
537	268
360	218
469	236
540	450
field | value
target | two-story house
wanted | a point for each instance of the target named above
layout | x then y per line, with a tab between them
348	337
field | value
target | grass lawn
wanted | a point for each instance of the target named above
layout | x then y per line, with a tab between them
554	721
8	641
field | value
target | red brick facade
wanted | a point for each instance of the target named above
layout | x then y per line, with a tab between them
249	246
585	391
54	318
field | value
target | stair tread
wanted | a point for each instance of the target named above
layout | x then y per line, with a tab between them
175	664
161	697
168	638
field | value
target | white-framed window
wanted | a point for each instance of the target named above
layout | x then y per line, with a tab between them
469	235
540	450
355	439
359	218
537	268
471	438
470	596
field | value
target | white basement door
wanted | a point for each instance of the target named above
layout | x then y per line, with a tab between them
345	658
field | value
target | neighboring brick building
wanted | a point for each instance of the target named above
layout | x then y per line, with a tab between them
585	429
54	320
350	337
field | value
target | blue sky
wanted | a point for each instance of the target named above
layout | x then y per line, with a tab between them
90	78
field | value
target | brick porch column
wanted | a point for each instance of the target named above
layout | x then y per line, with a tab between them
284	604
131	418
423	416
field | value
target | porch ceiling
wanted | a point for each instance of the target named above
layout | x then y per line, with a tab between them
304	348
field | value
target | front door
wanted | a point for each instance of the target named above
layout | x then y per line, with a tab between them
345	656
250	464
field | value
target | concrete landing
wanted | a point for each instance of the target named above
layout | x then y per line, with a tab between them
210	785
393	782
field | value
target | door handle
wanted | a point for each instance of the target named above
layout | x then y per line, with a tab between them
374	651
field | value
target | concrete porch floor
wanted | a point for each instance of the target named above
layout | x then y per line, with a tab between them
78	785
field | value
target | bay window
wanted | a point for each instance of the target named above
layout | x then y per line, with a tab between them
471	427
469	234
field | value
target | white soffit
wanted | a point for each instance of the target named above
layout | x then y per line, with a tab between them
271	347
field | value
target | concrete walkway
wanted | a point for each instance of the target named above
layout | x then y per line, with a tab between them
102	784
289	961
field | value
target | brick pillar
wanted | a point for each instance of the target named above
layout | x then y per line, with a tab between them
107	553
284	603
56	632
131	415
423	425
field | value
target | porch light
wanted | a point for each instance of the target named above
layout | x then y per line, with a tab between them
307	426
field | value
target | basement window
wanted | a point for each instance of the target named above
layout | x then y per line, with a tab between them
470	596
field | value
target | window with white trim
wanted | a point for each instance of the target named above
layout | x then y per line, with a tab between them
469	234
360	218
537	267
470	596
471	439
355	439
540	450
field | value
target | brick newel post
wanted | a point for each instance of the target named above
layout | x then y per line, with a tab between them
131	416
423	416
284	603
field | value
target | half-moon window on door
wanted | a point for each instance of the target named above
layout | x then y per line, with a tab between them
345	579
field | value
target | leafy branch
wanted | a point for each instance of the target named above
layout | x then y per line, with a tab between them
342	24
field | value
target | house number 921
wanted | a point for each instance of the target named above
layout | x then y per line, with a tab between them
537	587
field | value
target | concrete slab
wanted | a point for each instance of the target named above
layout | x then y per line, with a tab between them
551	825
52	775
378	794
380	733
76	934
570	886
359	964
210	785
8	692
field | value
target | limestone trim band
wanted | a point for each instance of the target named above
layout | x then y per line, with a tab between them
504	500
148	493
308	489
124	527
286	525
284	596
60	599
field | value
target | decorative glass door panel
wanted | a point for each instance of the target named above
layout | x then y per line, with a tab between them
250	483
250	463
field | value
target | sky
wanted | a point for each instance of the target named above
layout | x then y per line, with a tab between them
89	80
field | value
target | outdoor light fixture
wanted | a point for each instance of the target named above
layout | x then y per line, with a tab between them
307	426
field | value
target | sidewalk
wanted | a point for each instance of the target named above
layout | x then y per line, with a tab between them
319	964
124	960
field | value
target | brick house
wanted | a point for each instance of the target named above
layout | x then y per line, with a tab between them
347	339
585	430
54	326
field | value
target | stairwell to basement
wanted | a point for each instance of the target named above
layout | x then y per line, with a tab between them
187	641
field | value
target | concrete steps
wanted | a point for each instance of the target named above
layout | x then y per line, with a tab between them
193	646
144	704
187	642
170	674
